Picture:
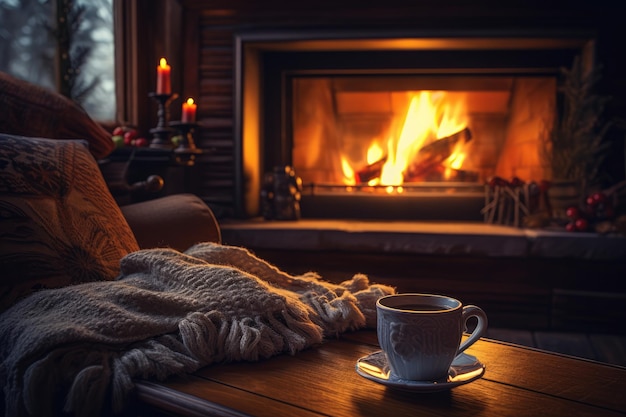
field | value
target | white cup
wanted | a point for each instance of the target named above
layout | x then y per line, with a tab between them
421	334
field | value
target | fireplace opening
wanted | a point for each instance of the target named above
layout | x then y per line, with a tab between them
396	128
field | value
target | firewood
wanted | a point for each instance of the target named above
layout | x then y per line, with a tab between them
442	173
371	171
433	154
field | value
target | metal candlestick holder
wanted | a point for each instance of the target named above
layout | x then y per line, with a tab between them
186	150
161	134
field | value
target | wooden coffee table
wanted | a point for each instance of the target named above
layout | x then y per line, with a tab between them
322	381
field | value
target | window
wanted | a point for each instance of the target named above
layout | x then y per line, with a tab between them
63	45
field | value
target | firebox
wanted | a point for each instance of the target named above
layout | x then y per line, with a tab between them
396	126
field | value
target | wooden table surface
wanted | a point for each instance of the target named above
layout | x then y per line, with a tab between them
322	381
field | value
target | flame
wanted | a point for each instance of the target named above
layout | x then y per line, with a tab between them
374	153
349	177
430	115
455	160
163	63
190	101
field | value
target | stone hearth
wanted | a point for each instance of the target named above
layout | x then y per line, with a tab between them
422	238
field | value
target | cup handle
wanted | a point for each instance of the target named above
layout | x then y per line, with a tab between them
468	312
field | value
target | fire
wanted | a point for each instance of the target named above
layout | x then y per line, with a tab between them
430	116
348	172
374	153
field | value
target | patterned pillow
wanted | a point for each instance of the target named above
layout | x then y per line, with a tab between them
31	110
59	224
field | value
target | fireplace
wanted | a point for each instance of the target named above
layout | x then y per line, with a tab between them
396	126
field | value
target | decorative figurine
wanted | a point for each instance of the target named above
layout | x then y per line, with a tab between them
280	194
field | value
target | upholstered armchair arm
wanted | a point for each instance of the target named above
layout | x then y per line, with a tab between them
177	221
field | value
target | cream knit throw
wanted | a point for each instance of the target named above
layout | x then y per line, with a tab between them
168	313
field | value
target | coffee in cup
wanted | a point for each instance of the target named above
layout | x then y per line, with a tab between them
421	334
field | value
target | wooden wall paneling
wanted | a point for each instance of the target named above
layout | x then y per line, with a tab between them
213	80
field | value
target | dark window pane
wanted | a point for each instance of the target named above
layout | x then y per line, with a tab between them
28	48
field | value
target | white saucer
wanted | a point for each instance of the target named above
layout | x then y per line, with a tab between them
465	368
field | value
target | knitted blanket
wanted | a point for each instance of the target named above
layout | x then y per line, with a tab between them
79	348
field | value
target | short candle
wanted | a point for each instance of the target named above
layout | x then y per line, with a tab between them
189	111
164	85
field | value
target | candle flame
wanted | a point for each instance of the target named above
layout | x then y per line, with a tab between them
163	63
190	101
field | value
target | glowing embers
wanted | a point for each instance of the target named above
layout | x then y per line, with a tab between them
427	188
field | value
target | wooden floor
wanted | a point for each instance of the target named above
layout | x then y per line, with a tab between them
608	348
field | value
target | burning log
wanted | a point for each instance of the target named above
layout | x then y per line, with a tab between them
432	155
441	174
371	171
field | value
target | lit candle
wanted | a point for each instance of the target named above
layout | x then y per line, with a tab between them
189	111
164	85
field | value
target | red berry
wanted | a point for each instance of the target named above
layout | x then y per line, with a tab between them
599	197
591	201
118	131
572	212
581	224
570	227
129	137
141	142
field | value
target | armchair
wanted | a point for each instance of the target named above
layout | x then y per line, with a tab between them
59	221
84	312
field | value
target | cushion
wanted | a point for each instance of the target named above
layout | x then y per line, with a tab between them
59	224
31	110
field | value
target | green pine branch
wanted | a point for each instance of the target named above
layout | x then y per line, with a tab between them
576	147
